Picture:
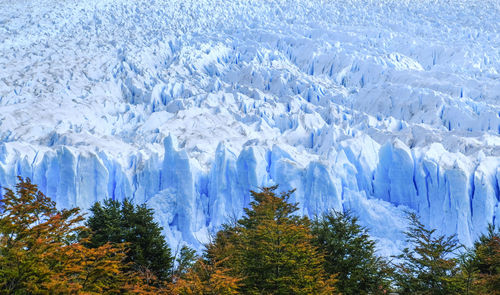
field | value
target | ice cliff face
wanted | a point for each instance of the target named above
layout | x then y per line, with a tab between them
373	106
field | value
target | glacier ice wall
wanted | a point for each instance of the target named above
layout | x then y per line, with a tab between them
374	106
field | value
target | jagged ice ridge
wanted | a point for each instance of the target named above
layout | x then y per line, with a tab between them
374	106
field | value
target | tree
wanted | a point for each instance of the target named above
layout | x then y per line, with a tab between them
487	262
39	252
270	249
30	226
123	222
468	271
426	267
185	260
350	253
212	274
81	269
106	223
207	278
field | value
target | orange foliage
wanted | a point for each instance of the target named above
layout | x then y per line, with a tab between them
207	279
40	251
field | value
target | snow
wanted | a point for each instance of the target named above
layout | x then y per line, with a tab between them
375	106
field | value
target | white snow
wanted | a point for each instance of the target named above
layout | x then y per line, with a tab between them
376	106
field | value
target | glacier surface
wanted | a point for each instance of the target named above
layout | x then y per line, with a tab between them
374	106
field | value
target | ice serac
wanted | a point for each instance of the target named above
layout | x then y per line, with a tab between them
373	106
393	179
319	190
225	197
252	169
178	177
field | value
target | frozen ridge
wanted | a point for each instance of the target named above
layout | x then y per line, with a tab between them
376	106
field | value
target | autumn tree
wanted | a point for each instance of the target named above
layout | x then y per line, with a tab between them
428	266
81	269
212	273
207	278
350	253
30	229
123	222
39	252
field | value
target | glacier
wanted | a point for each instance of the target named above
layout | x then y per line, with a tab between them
374	106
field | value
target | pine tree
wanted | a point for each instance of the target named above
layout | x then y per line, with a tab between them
123	222
350	253
427	267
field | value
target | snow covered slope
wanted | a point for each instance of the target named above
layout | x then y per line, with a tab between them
375	106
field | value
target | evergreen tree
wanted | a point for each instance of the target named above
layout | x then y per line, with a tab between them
123	222
350	253
106	223
427	267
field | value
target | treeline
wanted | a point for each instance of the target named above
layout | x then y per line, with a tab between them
119	249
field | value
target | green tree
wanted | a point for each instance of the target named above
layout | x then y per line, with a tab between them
270	249
106	222
428	265
123	222
350	253
185	260
468	271
487	262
